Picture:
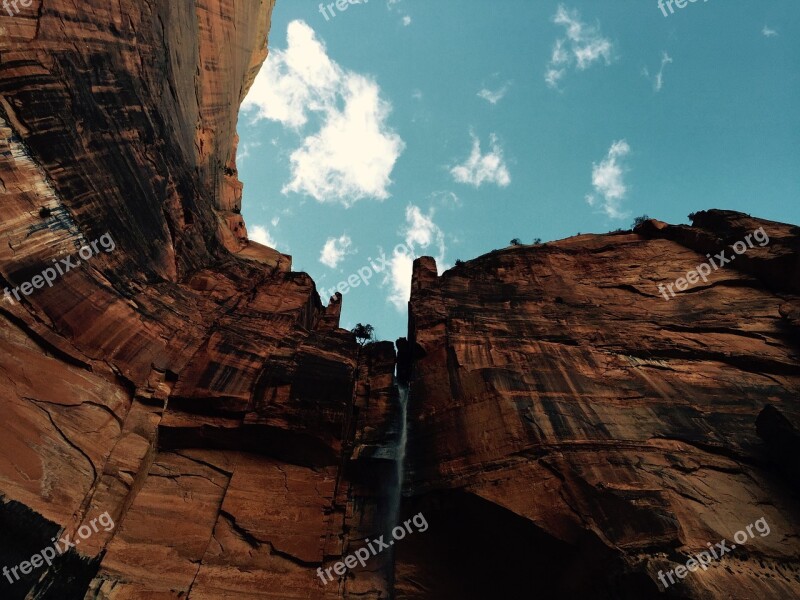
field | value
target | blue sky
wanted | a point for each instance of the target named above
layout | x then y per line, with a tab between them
453	126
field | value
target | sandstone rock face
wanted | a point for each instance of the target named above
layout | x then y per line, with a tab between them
571	432
177	377
590	433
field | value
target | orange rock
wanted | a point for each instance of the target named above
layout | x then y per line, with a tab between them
187	382
571	434
559	397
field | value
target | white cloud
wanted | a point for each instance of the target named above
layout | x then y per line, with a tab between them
658	80
608	181
243	151
353	154
352	157
334	251
493	97
394	5
422	236
422	232
401	266
446	198
483	168
553	76
262	236
582	46
295	81
767	32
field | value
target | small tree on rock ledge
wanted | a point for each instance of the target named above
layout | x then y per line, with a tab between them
364	334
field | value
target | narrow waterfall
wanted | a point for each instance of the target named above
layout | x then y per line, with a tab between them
396	497
396	493
401	446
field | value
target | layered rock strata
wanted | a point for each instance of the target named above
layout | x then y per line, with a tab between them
572	433
177	377
591	433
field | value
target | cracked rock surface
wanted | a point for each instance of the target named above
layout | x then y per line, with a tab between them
554	382
571	433
185	381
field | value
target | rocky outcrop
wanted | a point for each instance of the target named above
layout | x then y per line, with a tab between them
589	432
179	403
176	376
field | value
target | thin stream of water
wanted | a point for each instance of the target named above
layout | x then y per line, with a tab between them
400	458
401	448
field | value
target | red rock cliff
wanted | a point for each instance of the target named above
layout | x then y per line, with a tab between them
572	433
178	377
588	433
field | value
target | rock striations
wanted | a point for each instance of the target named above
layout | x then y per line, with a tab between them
181	379
597	433
571	432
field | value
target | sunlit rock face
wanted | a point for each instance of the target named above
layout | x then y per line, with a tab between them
571	432
177	377
597	433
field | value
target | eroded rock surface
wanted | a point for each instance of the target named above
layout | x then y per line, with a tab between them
555	391
572	433
179	377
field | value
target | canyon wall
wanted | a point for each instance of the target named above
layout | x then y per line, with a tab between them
571	432
590	433
175	376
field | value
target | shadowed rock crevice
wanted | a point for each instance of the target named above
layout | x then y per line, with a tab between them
479	549
782	439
